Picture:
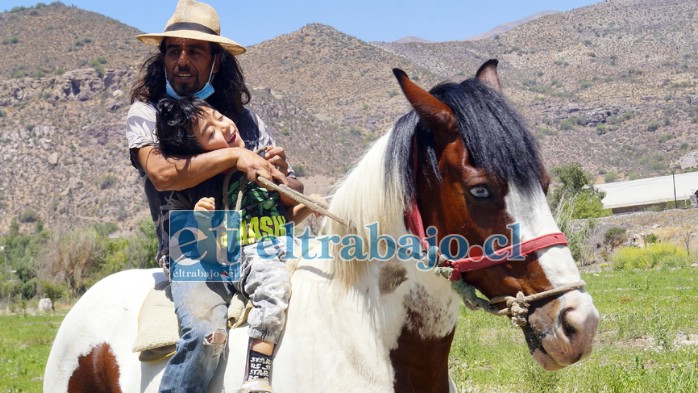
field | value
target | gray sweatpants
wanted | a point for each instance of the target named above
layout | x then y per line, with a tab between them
265	281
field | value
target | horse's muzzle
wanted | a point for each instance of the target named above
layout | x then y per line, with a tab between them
561	332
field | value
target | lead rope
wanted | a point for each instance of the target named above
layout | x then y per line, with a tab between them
516	306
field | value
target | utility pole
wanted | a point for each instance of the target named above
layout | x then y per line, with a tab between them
673	179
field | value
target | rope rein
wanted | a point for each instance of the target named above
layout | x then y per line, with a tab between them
301	198
516	307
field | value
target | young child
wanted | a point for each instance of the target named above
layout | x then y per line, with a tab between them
190	126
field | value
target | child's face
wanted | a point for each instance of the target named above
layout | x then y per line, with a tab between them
215	131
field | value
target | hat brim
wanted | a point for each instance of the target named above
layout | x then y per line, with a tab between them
227	44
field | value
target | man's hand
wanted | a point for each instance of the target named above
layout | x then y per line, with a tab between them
253	165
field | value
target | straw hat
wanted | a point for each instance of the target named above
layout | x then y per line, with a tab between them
197	21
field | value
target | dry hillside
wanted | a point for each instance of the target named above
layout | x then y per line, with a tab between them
53	39
612	86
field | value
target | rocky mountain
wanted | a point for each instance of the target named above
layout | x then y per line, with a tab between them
611	86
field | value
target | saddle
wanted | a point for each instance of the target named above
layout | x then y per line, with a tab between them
158	330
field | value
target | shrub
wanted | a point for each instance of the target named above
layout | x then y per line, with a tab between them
51	290
601	129
98	66
656	255
299	170
29	289
611	176
653	126
10	40
615	236
650	238
107	181
567	124
29	215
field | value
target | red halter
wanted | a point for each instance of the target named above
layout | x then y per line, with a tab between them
475	262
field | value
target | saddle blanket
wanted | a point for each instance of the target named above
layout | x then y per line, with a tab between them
158	330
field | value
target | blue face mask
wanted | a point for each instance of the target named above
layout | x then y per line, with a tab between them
203	94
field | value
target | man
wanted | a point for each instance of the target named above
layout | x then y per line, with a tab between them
195	60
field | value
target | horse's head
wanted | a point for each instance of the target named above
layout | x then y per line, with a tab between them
478	175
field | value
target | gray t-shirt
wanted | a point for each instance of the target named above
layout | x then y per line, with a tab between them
140	132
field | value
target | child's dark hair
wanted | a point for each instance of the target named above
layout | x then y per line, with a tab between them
173	128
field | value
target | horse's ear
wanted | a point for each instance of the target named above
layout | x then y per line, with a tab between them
433	112
487	74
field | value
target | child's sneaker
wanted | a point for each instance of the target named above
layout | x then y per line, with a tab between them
258	385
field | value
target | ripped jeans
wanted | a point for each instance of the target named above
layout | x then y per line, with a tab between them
202	312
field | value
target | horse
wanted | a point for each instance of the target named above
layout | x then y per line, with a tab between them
459	167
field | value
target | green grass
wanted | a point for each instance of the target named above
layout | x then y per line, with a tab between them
646	315
643	314
25	343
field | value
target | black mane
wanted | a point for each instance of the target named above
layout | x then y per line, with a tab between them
494	134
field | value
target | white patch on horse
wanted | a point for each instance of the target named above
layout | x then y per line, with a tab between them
531	211
427	316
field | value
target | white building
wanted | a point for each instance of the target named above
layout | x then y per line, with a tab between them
641	194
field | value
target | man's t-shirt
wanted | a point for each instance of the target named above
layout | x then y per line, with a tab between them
140	132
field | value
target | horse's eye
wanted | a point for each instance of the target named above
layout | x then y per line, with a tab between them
480	192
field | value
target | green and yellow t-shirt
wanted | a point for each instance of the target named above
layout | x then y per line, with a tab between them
261	212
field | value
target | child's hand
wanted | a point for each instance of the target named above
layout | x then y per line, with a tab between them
207	204
320	200
277	157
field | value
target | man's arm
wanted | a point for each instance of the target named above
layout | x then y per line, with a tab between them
172	174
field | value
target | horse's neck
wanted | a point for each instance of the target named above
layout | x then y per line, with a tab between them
418	329
420	359
391	328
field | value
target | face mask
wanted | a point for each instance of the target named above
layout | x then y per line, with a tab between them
203	94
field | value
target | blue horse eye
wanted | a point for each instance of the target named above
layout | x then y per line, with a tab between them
480	192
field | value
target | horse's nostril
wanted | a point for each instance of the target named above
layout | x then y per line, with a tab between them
567	326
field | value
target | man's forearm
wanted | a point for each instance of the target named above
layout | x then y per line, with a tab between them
171	174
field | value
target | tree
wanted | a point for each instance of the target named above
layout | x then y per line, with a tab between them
70	257
142	249
576	197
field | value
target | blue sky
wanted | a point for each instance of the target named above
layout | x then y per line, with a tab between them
250	22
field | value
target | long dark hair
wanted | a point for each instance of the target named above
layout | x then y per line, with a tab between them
231	92
175	120
493	132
